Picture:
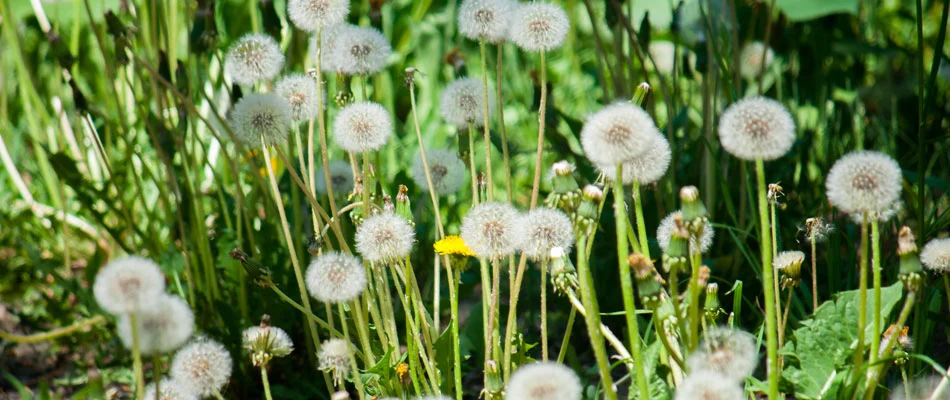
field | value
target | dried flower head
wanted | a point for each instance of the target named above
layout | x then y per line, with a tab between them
202	367
170	389
341	177
708	385
261	116
453	246
128	284
265	342
646	168
539	26
385	238
789	262
485	19
542	229
757	128
489	230
445	168
864	182
362	127
336	277
665	230
544	381
357	50
300	93
463	102
936	255
754	59
163	327
334	357
904	341
254	57
618	133
725	351
818	229
310	15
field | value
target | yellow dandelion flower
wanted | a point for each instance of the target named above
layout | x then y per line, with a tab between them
453	246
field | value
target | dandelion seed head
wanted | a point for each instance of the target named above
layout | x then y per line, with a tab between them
335	277
544	381
341	178
446	169
334	357
646	168
267	341
310	15
757	128
485	19
163	327
385	238
936	255
542	229
787	259
665	231
489	230
202	367
751	60
261	115
128	284
539	26
253	58
357	50
708	385
463	102
170	389
864	182
617	134
726	351
362	127
300	93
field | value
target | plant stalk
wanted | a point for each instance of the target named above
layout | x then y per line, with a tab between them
770	316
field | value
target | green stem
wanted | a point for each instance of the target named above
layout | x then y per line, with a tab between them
485	124
770	316
880	368
487	314
157	374
471	161
542	109
346	335
544	311
694	291
501	125
876	272
862	296
53	334
567	335
778	293
265	382
137	358
454	276
814	275
592	318
641	224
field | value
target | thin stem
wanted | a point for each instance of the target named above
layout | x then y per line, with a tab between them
157	374
308	314
788	305
454	277
541	120
544	310
880	368
487	314
501	125
592	318
53	334
694	290
770	316
862	296
775	277
641	224
425	163
876	272
473	177
137	358
346	335
265	382
814	275
485	126
567	335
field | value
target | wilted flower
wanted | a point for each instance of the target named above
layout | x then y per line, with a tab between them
362	127
864	182
725	351
300	93
708	385
202	367
463	102
310	15
384	238
162	327
169	389
646	168
665	231
489	230
265	342
542	229
254	57
936	255
341	177
485	19
544	381
356	50
261	116
818	229
334	357
128	284
539	26
445	168
757	128
751	60
336	277
618	133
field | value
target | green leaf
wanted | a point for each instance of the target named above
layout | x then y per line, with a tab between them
803	10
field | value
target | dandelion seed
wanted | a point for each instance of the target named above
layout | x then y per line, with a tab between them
265	342
707	385
751	60
336	277
757	128
463	103
356	50
334	357
300	92
489	230
646	168
202	367
665	231
310	15
253	58
936	255
727	352
341	178
128	285
163	327
538	26
485	19
445	168
543	229
617	134
385	238
544	381
362	127
258	116
169	389
864	182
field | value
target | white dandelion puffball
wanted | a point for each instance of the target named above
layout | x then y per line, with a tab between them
310	15
751	61
128	284
542	229
341	178
544	381
489	230
864	182
271	340
385	238
334	357
327	44
646	168
727	352
936	255
665	231
336	277
617	134
485	19
538	26
362	127
202	367
253	58
162	328
462	103
356	50
757	128
261	115
445	168
300	93
170	389
707	385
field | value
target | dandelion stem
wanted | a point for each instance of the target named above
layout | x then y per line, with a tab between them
157	374
880	368
485	125
217	395
501	125
137	358
366	349
425	162
567	335
876	273
544	310
641	224
308	314
265	382
694	290
53	334
487	314
592	317
775	277
471	159
814	276
862	296
315	206
770	316
542	109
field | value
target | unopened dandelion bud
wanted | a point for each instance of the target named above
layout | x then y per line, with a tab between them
593	193
906	242
563	274
645	274
640	95
403	206
703	277
677	251
495	382
911	268
899	348
665	312
564	181
693	211
711	306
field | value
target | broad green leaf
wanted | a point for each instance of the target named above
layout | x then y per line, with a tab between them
803	10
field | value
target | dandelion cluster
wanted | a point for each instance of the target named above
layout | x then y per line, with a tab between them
757	128
254	57
362	127
617	134
489	230
445	168
544	381
261	117
385	238
336	277
463	102
864	182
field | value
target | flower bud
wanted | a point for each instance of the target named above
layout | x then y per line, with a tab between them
712	301
647	284
643	89
564	181
911	270
403	206
677	252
